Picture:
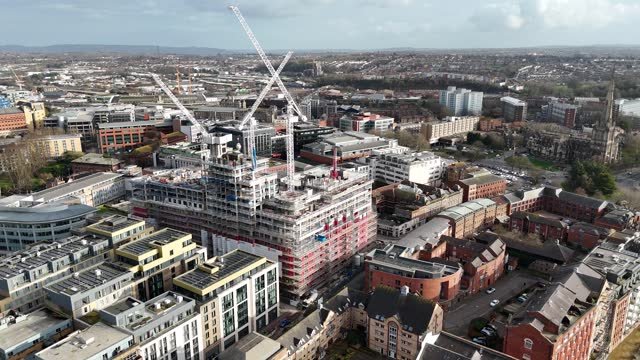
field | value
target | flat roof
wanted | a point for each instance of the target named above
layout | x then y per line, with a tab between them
233	262
42	214
394	256
114	223
28	329
76	185
89	342
88	279
96	159
161	237
253	346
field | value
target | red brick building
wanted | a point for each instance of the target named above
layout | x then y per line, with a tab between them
119	136
439	272
472	216
395	266
586	236
487	124
557	326
546	227
12	119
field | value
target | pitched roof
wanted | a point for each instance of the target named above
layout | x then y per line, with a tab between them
553	303
413	311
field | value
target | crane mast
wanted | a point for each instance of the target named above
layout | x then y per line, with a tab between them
203	134
292	106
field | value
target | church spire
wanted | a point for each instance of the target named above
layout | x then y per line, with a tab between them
609	119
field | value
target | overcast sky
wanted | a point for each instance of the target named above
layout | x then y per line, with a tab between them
322	24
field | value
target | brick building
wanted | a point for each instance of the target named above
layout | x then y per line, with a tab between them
487	124
91	163
396	266
12	119
586	236
119	136
557	325
545	226
471	216
482	184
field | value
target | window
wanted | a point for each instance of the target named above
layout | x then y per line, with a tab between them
228	323
528	343
241	294
227	302
259	283
271	276
260	303
271	294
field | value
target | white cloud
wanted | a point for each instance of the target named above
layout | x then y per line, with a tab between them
552	14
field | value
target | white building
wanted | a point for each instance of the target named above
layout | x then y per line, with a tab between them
629	107
93	190
451	125
165	327
420	168
461	101
237	293
366	121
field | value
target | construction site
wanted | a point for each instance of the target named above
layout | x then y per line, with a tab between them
314	223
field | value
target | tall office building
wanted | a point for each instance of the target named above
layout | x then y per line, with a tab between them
461	101
513	110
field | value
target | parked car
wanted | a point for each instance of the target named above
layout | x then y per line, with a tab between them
492	327
494	302
480	340
488	332
284	323
522	298
490	290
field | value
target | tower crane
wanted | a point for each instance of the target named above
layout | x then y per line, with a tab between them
19	81
291	107
248	117
202	135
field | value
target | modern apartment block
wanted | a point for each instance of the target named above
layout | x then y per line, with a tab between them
421	168
237	293
12	119
313	231
451	125
88	290
22	226
165	327
24	274
461	101
24	334
97	342
158	258
513	110
54	146
263	135
118	229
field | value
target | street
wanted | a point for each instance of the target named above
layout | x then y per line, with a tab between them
458	317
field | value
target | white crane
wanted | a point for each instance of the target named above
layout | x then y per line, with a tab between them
292	106
19	81
248	117
202	133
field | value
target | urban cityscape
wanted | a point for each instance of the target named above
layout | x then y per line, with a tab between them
335	200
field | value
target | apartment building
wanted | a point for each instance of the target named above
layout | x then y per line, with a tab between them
34	113
22	226
421	168
25	334
97	342
396	266
451	125
400	321
182	154
313	231
513	110
156	259
166	326
118	229
24	274
237	293
461	101
366	122
263	134
482	184
12	119
472	216
88	290
305	133
558	325
93	190
54	146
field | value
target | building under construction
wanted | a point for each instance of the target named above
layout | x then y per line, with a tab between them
314	231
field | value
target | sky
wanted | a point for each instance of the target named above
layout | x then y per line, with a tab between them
322	24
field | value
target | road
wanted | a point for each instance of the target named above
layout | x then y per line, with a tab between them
629	178
456	319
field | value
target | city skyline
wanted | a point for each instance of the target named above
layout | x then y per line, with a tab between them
328	24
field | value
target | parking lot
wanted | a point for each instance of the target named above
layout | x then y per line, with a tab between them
456	319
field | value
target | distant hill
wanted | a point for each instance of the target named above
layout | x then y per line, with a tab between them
113	49
591	50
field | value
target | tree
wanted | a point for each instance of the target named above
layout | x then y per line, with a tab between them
592	177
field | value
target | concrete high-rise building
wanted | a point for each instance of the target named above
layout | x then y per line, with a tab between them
513	110
313	231
451	125
461	101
